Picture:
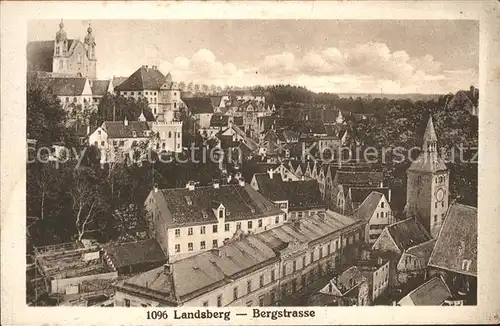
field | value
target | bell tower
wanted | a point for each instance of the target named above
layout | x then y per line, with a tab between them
59	63
90	44
427	192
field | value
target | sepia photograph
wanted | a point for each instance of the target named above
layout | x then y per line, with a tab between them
336	168
218	167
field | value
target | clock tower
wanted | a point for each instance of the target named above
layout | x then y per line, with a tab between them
427	189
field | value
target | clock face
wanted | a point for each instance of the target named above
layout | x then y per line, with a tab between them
440	194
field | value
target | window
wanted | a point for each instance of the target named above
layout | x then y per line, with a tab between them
202	230
261	280
202	245
122	143
382	205
205	303
442	217
377	215
320	252
435	218
238	225
221	213
261	301
57	50
249	286
273	276
294	266
249	224
175	105
96	143
169	134
134	133
219	301
190	231
441	179
226	227
259	223
284	271
272	296
190	246
177	232
75	99
312	256
328	249
214	228
102	143
131	93
442	204
67	100
303	261
127	302
178	135
214	244
115	143
177	248
249	303
277	219
235	293
144	305
147	93
435	205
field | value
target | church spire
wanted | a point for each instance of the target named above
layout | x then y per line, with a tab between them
430	138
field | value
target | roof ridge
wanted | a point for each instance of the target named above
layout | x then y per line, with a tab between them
412	247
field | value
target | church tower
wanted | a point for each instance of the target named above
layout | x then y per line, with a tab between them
59	62
427	190
89	43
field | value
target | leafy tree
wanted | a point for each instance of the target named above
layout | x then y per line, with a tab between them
119	107
182	86
45	118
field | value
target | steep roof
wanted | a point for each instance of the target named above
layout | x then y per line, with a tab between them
408	233
143	78
359	194
118	129
133	253
359	177
432	293
423	250
100	87
457	241
199	105
182	206
118	80
430	133
302	194
66	86
366	209
215	100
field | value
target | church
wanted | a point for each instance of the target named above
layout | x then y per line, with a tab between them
63	56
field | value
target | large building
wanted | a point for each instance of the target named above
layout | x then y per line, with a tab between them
63	56
189	220
257	270
163	95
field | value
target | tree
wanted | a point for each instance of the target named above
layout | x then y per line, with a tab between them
87	201
45	118
182	86
117	108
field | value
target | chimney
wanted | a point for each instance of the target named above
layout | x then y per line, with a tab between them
125	122
216	183
270	172
242	182
167	268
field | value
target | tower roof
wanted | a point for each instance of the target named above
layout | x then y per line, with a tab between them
430	133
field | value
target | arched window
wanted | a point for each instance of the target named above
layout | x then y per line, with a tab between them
441	179
169	134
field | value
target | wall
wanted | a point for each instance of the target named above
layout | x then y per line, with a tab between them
382	216
59	285
134	300
209	236
409	266
380	281
172	129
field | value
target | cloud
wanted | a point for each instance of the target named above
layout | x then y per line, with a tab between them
367	67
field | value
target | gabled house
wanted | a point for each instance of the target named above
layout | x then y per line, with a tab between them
403	238
71	91
350	287
201	109
99	89
375	209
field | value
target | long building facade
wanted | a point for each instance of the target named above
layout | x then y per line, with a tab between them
255	270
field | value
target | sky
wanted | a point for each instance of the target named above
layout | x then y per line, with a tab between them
337	56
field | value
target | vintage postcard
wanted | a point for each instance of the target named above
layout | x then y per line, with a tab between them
249	163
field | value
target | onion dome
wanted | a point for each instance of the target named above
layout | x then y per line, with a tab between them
89	39
61	33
